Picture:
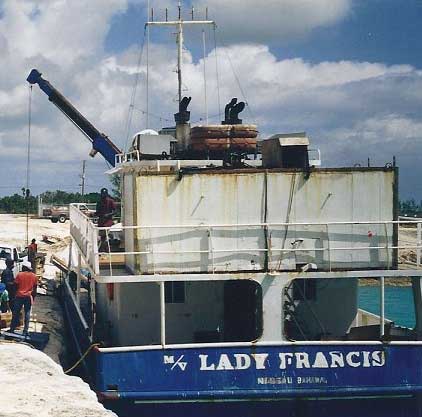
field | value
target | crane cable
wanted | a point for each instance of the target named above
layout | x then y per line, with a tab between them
28	163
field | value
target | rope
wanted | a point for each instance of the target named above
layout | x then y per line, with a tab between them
147	75
135	87
161	118
28	162
215	116
238	82
81	358
216	71
205	75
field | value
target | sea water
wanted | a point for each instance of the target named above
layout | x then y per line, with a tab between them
399	305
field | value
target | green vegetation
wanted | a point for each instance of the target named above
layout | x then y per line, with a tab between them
17	204
410	208
116	185
62	197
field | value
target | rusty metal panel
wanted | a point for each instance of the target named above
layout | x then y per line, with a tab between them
200	199
331	196
129	218
239	197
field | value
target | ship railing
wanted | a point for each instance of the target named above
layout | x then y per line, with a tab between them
314	156
131	156
86	234
413	222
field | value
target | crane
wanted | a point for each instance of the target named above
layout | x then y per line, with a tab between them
100	142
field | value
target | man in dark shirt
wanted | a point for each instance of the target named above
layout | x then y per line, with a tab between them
32	253
8	279
106	208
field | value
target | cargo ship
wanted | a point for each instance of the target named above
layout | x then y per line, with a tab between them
230	288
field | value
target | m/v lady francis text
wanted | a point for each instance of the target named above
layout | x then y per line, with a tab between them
284	360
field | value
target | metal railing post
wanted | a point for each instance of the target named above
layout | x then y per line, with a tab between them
211	249
387	245
109	251
78	281
382	306
328	247
96	258
163	313
418	243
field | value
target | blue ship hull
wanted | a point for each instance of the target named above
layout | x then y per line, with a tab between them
352	407
286	379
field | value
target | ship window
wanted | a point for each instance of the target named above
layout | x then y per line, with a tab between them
242	311
174	292
304	289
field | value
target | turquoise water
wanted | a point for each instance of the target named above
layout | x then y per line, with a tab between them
398	303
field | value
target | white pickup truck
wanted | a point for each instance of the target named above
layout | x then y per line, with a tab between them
12	252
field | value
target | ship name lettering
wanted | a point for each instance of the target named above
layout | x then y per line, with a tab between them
333	359
237	361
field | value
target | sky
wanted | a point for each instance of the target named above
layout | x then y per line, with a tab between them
348	72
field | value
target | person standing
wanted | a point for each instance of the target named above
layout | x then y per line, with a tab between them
32	253
8	279
26	289
105	210
4	299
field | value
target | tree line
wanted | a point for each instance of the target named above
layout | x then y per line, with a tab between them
410	208
18	204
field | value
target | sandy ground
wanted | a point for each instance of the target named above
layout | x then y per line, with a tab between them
46	312
13	229
33	383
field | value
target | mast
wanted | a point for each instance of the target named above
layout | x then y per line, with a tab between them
179	52
179	24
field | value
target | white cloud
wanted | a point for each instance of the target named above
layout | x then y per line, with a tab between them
59	30
248	20
273	20
350	109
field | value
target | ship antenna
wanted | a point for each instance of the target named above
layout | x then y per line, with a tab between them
179	24
179	53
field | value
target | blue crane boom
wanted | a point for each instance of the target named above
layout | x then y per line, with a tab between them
100	142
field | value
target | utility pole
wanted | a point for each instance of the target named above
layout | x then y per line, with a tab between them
179	23
82	184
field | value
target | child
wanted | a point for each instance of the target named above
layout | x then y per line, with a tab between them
4	299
